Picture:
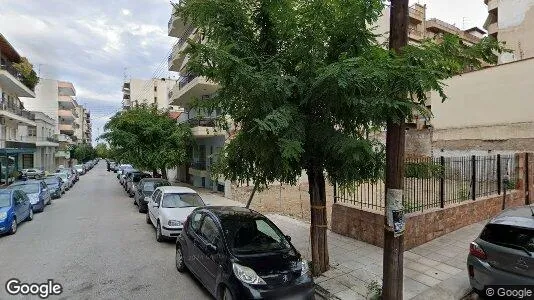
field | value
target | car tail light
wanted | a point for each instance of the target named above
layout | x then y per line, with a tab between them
476	251
471	271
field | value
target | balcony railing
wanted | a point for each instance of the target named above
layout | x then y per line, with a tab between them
203	122
5	65
185	80
199	165
13	108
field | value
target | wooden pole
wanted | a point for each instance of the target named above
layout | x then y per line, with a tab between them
392	286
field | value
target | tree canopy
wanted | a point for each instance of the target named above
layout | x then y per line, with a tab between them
148	138
83	152
304	80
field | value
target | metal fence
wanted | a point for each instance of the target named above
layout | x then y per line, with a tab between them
437	182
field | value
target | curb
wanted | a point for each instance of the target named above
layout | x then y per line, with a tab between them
322	294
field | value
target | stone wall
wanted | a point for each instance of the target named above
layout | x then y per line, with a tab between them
421	227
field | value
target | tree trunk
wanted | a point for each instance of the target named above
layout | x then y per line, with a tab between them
164	173
251	195
154	173
318	227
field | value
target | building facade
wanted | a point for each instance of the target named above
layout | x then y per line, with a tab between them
209	139
512	22
149	92
46	142
17	124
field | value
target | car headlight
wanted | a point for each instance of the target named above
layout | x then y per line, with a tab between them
174	223
246	274
305	267
3	215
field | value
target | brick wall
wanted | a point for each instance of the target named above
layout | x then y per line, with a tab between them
422	227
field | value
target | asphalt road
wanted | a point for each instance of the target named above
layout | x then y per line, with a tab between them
97	246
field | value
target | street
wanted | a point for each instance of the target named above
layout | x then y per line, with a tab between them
95	244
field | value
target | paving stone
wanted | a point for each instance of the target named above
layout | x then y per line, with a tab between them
349	295
447	269
419	267
414	286
427	280
333	286
349	280
428	262
440	275
411	255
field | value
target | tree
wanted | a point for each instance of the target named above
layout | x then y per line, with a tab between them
148	138
102	150
29	77
304	80
83	152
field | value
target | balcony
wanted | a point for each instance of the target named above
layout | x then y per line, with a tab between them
417	13
176	25
415	34
126	87
67	102
62	154
66	88
438	26
492	4
67	129
493	28
15	112
192	87
12	81
204	127
66	114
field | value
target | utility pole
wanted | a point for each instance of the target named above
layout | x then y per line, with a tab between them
392	286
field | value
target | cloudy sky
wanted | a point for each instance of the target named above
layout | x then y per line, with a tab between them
97	43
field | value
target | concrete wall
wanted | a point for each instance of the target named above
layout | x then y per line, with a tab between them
489	108
143	91
46	100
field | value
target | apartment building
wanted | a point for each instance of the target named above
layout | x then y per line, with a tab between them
17	145
57	99
83	131
512	22
151	92
209	139
421	28
46	141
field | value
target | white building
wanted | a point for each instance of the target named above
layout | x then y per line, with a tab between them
149	92
46	141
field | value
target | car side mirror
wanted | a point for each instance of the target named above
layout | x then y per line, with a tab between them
288	238
211	248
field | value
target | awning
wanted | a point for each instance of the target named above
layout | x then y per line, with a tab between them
11	151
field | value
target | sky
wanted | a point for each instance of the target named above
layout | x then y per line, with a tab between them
97	44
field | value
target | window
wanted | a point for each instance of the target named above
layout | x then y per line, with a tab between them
509	236
32	131
195	221
157	197
253	235
181	200
209	231
155	88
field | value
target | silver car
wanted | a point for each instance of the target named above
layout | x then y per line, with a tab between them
503	254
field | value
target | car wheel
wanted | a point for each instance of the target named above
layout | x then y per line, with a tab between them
226	294
180	263
13	228
148	219
139	209
30	216
159	236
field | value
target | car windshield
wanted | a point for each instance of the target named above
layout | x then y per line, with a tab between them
247	235
51	181
4	199
62	175
181	200
29	188
150	186
78	166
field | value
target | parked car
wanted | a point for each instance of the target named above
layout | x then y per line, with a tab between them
32	173
75	174
503	253
71	179
65	180
55	188
79	169
133	180
15	207
237	253
169	207
37	192
113	166
144	189
121	169
122	177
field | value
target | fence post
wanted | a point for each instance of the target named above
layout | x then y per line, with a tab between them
499	174
442	182
335	192
473	176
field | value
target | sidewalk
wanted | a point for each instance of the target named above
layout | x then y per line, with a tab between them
435	270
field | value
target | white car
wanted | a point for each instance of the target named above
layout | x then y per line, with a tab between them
79	169
169	207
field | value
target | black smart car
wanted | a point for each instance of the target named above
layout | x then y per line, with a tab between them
238	253
145	188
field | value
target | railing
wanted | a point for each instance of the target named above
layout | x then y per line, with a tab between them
12	107
185	80
199	165
437	182
204	122
5	65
